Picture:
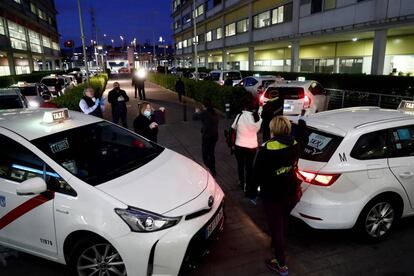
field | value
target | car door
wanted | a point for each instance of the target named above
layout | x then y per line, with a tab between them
401	161
27	221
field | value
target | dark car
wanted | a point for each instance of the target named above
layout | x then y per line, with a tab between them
11	98
36	94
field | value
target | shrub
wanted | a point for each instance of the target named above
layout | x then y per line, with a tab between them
200	90
72	97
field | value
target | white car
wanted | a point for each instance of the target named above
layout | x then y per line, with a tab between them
357	170
301	97
36	94
50	81
78	190
257	85
220	76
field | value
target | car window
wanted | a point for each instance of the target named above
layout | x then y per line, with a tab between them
28	91
18	164
316	89
99	152
215	76
232	75
292	93
10	102
251	82
321	145
371	146
402	141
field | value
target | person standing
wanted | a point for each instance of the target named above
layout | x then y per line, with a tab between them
209	134
118	98
144	123
180	88
91	105
246	125
58	86
272	108
228	81
138	80
275	174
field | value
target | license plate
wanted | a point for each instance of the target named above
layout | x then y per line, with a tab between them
287	107
210	228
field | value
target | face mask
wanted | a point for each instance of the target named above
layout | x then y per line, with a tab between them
147	113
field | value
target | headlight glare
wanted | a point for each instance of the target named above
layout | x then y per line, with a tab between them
144	221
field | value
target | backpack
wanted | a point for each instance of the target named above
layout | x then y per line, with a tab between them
230	135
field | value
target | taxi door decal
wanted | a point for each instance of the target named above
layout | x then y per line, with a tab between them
25	207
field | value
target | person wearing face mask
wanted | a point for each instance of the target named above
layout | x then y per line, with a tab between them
118	98
91	105
144	123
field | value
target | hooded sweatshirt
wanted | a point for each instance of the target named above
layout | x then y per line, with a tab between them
274	169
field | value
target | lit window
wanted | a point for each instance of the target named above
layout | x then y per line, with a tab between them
33	8
209	36
55	46
261	20
219	33
46	42
2	26
231	29
18	1
41	14
17	36
199	10
329	4
242	26
277	15
34	39
185	43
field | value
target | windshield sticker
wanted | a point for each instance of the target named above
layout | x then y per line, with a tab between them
59	146
71	166
317	141
2	201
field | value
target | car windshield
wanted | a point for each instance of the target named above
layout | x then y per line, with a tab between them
28	91
232	75
10	102
98	152
52	82
117	64
321	145
215	76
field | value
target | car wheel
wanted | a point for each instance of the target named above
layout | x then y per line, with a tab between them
96	257
377	219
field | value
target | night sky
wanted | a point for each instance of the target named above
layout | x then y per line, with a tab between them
129	18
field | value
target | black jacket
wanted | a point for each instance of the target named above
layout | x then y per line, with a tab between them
271	109
274	169
210	119
141	127
113	100
98	111
179	87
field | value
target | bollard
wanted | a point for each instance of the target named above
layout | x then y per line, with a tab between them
227	110
184	110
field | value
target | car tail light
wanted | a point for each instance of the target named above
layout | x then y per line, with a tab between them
317	179
307	102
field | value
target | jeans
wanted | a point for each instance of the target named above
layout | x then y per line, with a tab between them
277	213
245	158
141	92
208	146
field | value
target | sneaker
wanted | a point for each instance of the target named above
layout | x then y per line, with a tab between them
273	265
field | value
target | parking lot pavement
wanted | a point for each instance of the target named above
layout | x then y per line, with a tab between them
244	244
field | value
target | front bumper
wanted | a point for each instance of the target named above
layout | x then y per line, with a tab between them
163	252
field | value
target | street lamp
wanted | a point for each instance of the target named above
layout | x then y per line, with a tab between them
162	41
112	41
83	43
195	42
122	39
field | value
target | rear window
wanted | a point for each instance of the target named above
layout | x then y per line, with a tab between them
321	146
266	83
10	102
232	75
215	76
52	82
28	91
289	93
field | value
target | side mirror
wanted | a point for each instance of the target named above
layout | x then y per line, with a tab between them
32	186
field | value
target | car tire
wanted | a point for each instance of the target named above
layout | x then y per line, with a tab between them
95	256
377	219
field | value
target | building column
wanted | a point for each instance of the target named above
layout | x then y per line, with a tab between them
44	63
206	60
251	58
378	52
53	64
31	65
294	57
10	60
224	59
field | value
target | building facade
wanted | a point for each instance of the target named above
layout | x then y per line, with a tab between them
330	36
29	40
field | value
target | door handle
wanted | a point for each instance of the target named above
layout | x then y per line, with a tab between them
406	175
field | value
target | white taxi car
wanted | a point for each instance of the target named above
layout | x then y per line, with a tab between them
357	170
300	97
82	191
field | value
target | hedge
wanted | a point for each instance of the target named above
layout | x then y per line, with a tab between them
6	81
200	90
72	97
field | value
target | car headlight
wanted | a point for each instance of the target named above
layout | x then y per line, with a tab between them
144	221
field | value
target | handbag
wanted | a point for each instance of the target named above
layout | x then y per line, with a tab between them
230	135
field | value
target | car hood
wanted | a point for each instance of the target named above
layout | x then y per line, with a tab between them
165	183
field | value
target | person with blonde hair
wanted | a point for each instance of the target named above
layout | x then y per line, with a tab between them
274	172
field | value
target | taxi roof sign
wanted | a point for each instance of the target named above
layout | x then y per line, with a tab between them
56	116
406	106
